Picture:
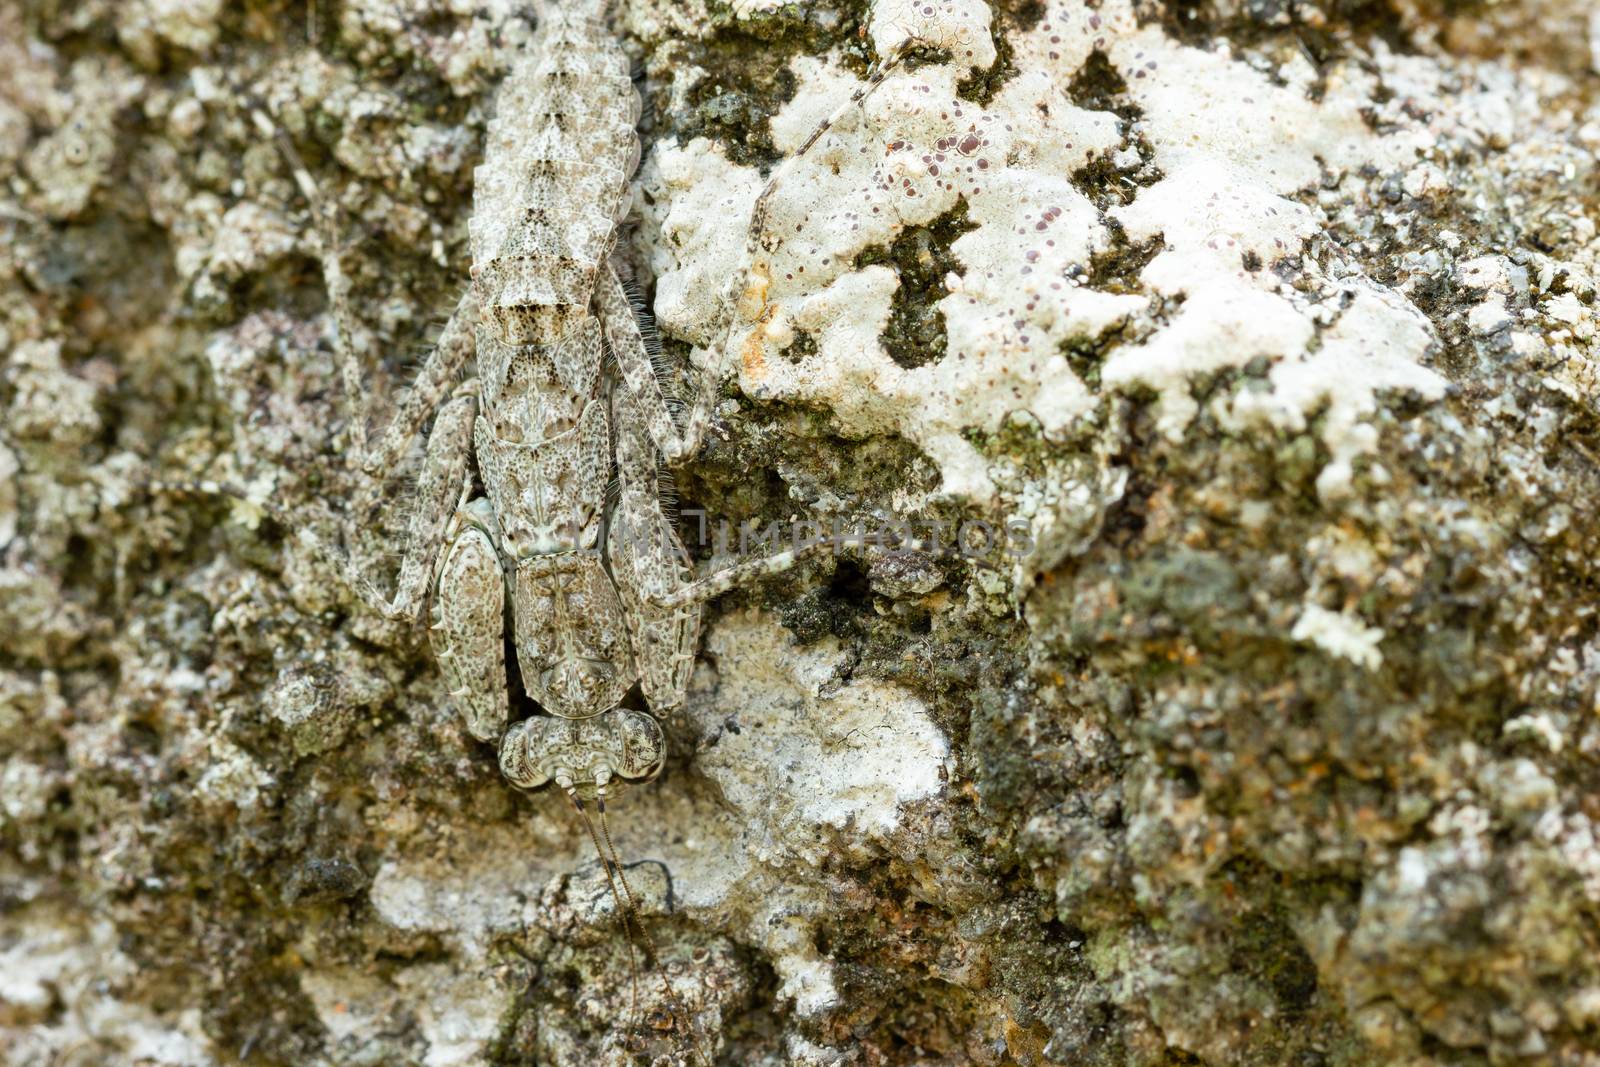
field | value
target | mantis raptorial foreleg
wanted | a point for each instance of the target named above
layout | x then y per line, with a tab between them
676	436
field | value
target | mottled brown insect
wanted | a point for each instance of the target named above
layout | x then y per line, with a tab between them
539	502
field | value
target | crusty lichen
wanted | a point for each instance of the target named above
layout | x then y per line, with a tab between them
1271	326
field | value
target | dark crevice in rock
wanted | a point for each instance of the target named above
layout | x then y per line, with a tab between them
921	257
981	86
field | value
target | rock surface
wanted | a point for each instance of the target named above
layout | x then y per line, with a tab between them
1224	688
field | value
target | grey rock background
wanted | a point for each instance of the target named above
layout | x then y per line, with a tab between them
1246	763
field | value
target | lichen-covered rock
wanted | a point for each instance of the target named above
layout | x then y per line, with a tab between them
1205	392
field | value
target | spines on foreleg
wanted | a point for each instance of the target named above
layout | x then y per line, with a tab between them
645	319
675	433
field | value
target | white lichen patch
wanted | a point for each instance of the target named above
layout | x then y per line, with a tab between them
468	890
1227	225
457	1011
911	154
819	762
691	227
805	977
960	27
1340	634
1374	345
1204	106
61	986
1231	328
1232	153
807	767
916	152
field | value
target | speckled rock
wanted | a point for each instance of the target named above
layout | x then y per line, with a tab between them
1210	673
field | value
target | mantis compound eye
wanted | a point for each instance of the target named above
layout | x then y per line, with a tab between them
522	752
643	747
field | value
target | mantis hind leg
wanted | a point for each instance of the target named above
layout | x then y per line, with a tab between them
431	394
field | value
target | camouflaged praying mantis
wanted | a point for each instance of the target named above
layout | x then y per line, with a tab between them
570	529
599	590
569	538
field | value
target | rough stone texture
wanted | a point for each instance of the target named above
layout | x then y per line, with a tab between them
1264	330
